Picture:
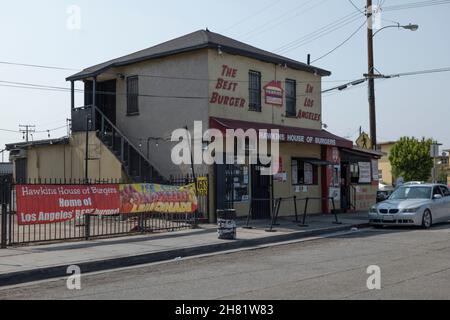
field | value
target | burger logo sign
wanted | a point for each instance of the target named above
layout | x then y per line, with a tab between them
273	93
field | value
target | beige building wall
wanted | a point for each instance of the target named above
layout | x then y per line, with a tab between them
384	165
286	189
238	85
67	161
229	77
159	115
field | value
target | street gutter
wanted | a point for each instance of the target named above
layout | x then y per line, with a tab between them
20	277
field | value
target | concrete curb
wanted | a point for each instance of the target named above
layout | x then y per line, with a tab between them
20	277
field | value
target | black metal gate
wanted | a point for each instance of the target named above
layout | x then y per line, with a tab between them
86	226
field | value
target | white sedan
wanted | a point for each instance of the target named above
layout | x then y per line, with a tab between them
413	205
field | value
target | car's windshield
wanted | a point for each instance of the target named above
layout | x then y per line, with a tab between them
411	193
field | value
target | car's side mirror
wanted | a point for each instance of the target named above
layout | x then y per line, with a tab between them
437	197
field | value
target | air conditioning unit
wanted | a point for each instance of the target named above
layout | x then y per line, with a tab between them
17	154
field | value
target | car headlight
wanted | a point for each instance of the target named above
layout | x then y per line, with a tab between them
410	210
373	210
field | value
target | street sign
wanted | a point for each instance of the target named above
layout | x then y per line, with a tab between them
202	186
434	150
364	141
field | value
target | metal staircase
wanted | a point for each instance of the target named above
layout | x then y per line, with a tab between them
134	163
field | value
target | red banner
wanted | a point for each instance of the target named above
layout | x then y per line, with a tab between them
44	204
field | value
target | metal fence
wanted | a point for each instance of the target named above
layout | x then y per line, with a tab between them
203	197
87	226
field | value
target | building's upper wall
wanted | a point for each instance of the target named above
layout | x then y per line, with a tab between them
173	93
386	149
64	162
234	98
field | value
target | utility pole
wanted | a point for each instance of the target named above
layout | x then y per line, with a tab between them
27	130
371	75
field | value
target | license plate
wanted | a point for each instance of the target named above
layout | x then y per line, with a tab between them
388	218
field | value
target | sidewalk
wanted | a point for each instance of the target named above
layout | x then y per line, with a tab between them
26	264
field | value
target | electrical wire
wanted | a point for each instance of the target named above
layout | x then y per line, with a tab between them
414	5
319	33
341	44
37	66
61	89
281	19
272	4
171	77
356	7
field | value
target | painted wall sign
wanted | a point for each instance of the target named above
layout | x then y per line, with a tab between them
308	104
226	85
274	93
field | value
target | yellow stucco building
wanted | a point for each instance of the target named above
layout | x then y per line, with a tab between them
384	165
132	105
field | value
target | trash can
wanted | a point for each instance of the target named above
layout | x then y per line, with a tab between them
226	224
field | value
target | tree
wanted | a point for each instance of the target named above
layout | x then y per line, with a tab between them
410	159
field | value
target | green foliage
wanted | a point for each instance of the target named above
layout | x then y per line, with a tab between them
410	159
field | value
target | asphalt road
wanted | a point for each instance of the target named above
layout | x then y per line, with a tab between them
415	264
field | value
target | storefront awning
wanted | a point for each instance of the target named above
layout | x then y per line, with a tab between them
286	134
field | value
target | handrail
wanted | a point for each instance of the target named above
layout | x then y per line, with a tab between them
123	136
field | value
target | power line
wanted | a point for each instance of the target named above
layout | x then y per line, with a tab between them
340	23
280	19
319	33
37	66
415	5
179	78
341	44
272	4
27	129
358	9
342	87
385	77
31	86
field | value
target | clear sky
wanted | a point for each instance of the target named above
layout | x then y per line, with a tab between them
35	32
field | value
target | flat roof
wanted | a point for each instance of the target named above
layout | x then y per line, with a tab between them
23	145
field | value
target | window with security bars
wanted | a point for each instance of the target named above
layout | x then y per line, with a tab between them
132	95
291	98
255	90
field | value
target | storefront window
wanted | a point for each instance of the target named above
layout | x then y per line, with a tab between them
303	173
237	177
360	172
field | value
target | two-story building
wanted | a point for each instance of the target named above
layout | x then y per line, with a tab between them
133	104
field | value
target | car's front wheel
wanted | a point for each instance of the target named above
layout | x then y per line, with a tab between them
427	219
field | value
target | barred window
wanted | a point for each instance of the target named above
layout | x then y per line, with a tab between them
291	98
132	95
255	90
